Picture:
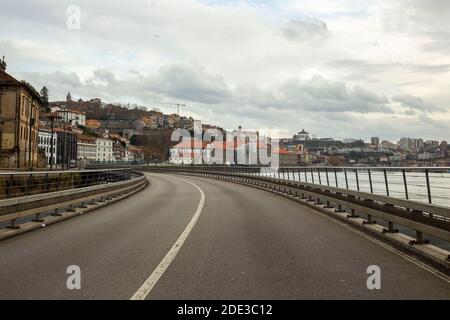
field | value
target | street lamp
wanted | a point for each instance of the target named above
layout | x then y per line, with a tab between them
52	118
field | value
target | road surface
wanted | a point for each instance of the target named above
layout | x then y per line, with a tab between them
241	243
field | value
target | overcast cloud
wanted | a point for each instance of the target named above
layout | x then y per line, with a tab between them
337	68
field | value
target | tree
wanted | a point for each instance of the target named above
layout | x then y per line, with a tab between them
44	95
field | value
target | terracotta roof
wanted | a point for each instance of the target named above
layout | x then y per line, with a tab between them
86	138
7	79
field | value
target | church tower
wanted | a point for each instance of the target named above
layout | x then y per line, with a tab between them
3	65
69	97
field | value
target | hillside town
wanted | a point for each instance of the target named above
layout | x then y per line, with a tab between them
37	133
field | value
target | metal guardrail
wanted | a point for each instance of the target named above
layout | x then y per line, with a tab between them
22	184
424	218
34	205
423	184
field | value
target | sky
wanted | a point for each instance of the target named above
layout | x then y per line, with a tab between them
341	68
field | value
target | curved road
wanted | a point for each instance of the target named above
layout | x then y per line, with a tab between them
246	244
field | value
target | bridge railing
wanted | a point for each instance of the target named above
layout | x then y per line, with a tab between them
21	184
423	184
58	205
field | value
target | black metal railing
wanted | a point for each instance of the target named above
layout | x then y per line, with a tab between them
20	184
424	184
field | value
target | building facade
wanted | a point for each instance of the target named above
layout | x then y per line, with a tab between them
120	152
135	153
73	117
86	149
104	150
93	124
66	151
20	107
45	144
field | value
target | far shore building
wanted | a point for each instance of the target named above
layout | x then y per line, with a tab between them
73	117
45	144
104	151
135	153
86	149
93	124
66	151
20	108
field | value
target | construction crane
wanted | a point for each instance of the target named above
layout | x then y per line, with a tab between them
178	105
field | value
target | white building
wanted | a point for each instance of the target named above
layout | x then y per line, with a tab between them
187	153
45	143
72	116
86	149
104	150
301	136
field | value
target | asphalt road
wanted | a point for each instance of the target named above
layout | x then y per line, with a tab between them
246	244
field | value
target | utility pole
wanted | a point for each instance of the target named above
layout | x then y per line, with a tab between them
52	119
32	122
178	108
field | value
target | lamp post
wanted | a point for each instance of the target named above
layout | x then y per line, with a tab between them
31	124
52	117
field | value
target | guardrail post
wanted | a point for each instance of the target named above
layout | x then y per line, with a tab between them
346	178
370	180
339	209
46	183
386	182
12	225
419	239
37	218
328	179
55	213
312	176
352	214
369	220
318	173
86	180
335	177
357	179
27	186
405	184
59	182
9	186
427	176
328	205
390	228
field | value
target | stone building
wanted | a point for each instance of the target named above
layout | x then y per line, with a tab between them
20	108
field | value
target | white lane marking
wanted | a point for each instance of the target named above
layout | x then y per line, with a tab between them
151	281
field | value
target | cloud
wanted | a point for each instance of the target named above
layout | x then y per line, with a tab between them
306	30
319	94
416	103
190	82
327	66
